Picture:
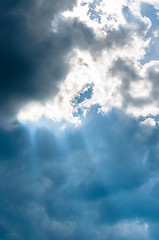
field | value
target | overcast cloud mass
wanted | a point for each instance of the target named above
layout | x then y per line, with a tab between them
79	119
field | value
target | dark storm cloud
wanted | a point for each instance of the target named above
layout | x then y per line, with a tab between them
69	184
33	58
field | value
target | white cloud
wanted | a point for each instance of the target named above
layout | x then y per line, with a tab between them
140	89
149	122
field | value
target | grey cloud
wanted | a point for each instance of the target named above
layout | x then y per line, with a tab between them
34	58
153	75
126	70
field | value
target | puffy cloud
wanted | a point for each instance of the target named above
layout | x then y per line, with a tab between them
111	64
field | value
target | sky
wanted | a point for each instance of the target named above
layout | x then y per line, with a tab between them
79	119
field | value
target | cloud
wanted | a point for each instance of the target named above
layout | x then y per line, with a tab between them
63	48
84	63
110	61
34	57
98	180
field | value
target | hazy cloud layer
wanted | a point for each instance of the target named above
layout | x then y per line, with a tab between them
99	180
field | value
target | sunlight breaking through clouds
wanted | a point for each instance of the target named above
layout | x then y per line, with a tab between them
112	64
79	125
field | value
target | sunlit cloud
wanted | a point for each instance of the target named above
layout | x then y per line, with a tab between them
121	34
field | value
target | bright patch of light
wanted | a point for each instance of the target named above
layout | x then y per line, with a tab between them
146	110
32	112
140	89
149	122
119	35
